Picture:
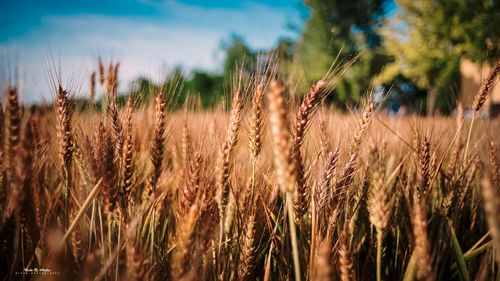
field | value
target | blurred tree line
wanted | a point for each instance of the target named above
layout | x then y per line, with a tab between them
412	48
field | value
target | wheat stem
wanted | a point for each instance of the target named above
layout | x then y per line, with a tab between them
313	240
253	178
293	236
119	233
379	255
102	234
469	135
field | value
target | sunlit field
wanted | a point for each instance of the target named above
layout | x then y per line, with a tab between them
271	185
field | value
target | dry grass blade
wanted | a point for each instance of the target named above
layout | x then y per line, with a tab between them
82	210
464	273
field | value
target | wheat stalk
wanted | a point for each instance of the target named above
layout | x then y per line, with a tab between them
378	205
302	120
106	167
92	86
422	244
128	173
186	144
322	192
322	265
494	169
101	71
14	115
224	161
185	240
492	208
481	97
191	187
116	125
284	166
159	138
256	129
345	263
248	249
486	87
256	123
3	189
324	138
424	167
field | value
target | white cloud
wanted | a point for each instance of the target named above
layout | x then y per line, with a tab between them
185	35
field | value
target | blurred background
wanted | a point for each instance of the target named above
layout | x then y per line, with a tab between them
426	56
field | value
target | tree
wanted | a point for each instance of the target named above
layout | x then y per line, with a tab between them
285	51
237	54
208	86
344	28
428	37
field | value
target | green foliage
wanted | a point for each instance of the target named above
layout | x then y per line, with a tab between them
428	38
416	51
285	52
210	87
237	54
346	29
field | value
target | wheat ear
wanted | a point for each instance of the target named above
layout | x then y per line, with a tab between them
378	205
185	241
494	169
323	267
64	113
248	249
306	112
100	66
191	187
481	97
422	244
14	115
92	86
224	161
284	166
256	129
322	192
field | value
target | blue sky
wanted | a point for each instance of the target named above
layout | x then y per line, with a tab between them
146	36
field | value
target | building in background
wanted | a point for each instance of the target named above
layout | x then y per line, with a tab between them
472	76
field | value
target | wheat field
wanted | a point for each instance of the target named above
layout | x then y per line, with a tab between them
276	185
